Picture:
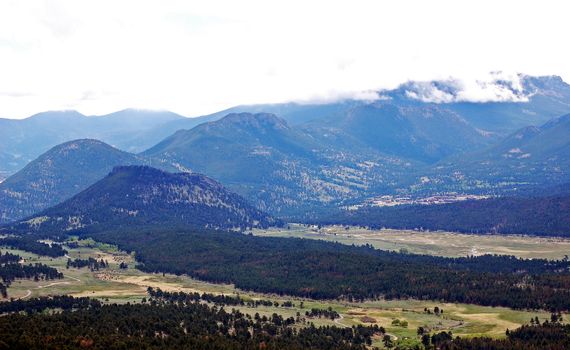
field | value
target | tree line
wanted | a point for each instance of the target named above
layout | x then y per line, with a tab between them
550	335
31	244
157	296
92	263
193	325
76	323
545	216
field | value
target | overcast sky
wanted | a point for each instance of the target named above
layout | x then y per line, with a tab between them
198	57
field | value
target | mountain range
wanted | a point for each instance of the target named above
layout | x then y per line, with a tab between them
131	130
145	196
286	159
531	101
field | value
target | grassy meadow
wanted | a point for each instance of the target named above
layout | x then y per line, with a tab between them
120	286
448	244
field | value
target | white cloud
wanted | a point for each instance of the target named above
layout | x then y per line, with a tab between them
495	87
197	57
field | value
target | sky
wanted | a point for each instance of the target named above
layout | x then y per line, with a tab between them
199	57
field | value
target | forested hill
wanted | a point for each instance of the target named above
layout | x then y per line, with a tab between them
547	216
58	174
140	195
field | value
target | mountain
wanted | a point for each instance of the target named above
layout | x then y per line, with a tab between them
233	146
141	195
511	105
532	156
424	133
130	130
423	121
133	130
530	161
517	103
533	101
58	174
372	149
551	140
277	167
292	112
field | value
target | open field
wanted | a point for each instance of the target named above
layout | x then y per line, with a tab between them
116	285
433	243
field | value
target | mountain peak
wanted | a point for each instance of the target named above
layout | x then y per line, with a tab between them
82	147
256	120
59	114
81	142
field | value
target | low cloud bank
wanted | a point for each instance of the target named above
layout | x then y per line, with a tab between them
497	87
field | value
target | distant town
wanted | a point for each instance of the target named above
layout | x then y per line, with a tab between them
391	201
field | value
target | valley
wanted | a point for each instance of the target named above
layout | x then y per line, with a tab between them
284	176
440	243
115	285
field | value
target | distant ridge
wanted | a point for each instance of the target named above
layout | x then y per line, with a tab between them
130	130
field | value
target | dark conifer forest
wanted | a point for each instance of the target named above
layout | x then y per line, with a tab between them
31	244
325	270
544	216
165	324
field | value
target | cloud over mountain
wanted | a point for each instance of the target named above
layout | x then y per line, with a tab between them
496	87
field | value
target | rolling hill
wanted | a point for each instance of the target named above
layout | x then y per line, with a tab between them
131	196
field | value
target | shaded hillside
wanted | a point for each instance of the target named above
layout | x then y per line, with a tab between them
140	195
58	174
548	216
